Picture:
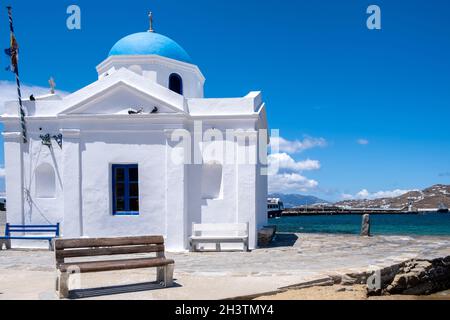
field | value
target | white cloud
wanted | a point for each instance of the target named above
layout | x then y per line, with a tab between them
8	92
346	196
285	173
296	146
284	162
389	194
290	182
365	194
362	142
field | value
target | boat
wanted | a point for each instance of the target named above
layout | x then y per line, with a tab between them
442	208
274	207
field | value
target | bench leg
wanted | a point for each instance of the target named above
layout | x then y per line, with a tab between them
7	244
168	275
160	274
218	249
246	246
57	283
51	247
63	284
193	246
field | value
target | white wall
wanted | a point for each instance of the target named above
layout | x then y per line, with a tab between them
158	69
99	152
25	206
37	209
243	195
170	194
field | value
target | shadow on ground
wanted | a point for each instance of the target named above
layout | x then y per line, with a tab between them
128	288
283	240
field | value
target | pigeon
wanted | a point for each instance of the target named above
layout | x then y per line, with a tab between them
136	112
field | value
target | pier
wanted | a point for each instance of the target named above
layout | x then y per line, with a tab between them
334	210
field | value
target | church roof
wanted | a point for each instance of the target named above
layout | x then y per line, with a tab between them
149	43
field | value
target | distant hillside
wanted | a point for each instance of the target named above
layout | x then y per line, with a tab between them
295	200
425	199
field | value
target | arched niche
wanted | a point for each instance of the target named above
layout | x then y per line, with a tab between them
211	180
45	181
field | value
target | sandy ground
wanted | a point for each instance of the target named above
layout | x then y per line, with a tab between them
338	292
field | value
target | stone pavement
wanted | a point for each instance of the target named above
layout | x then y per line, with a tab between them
293	259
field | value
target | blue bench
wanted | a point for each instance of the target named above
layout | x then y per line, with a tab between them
27	229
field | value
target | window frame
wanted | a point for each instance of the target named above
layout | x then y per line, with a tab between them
126	196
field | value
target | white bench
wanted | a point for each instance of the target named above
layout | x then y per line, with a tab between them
218	233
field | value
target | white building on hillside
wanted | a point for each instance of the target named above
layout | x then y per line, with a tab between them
106	160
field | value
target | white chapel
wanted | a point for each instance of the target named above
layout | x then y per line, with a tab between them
138	151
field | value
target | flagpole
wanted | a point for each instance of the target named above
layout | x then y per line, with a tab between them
15	64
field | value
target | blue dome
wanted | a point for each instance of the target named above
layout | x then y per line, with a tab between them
143	43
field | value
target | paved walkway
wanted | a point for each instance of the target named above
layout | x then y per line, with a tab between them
2	222
293	259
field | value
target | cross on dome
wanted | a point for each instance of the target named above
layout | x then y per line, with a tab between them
150	18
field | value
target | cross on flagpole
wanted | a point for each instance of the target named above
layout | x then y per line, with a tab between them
52	85
13	52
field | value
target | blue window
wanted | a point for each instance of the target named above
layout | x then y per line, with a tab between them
125	188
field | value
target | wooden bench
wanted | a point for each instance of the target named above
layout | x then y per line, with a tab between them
95	247
11	229
218	233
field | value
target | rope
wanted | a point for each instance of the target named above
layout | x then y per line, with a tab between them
15	65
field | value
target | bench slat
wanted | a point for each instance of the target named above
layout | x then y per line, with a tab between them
218	240
106	242
224	238
238	227
32	226
31	230
88	252
99	266
27	238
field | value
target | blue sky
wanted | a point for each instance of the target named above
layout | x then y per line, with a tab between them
325	77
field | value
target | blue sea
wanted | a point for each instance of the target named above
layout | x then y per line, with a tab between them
424	224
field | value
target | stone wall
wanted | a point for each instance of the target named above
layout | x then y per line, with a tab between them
415	277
